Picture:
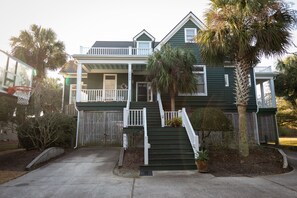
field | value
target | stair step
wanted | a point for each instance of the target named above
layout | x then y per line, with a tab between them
172	161
170	156
171	151
168	142
162	146
169	167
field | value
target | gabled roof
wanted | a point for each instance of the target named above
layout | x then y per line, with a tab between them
188	17
70	67
143	32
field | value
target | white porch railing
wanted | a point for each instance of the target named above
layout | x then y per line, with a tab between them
100	95
112	51
162	114
267	102
169	115
137	117
194	139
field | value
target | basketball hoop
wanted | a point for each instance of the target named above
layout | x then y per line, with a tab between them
23	93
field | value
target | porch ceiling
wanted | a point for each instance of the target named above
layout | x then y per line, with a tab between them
137	67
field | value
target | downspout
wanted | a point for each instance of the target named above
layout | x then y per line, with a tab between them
77	127
256	119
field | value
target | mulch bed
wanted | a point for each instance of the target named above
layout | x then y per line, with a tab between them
17	161
224	162
261	161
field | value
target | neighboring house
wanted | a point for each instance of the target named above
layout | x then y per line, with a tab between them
14	73
108	86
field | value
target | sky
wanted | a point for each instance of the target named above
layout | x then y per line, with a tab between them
81	23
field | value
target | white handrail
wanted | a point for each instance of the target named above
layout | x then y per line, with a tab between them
97	95
135	117
161	109
146	144
194	139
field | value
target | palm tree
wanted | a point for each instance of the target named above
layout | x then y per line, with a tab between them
39	48
242	31
170	71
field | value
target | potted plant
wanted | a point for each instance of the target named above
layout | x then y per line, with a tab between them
201	159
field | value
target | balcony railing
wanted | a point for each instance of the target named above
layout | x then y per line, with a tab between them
102	95
267	102
263	69
110	51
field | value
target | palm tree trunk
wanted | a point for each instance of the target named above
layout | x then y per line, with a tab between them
172	102
37	97
242	96
243	138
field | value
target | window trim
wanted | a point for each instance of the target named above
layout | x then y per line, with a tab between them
205	82
226	77
137	46
195	34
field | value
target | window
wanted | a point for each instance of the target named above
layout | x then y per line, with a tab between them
200	73
226	80
190	34
143	47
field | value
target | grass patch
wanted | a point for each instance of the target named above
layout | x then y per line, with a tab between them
6	176
7	146
286	141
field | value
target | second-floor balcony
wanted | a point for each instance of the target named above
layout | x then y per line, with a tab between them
111	51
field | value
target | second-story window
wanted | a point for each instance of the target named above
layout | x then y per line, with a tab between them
143	47
190	34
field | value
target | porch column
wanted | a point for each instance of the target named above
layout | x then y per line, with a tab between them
78	82
273	99
262	95
129	82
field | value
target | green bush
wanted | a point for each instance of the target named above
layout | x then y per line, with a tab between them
209	119
52	129
175	122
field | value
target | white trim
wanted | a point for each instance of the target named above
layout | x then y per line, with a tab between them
195	34
226	77
71	89
145	53
143	32
205	83
188	17
115	78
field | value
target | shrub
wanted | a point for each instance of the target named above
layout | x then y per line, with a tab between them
52	129
210	119
175	122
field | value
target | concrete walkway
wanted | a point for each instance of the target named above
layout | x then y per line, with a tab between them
88	173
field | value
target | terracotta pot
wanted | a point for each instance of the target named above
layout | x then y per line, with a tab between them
10	90
202	166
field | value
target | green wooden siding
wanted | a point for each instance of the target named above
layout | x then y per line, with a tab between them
94	81
143	37
178	40
215	92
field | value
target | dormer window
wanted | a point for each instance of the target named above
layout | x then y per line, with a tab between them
190	34
143	47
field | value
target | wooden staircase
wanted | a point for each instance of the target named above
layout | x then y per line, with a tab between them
170	147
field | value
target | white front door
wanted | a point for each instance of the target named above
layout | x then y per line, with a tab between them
109	86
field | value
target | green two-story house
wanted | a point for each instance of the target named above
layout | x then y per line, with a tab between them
107	85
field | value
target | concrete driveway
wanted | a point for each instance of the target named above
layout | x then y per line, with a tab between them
88	173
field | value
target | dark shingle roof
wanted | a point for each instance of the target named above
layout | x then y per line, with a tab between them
124	44
113	44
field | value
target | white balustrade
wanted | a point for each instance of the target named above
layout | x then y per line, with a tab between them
135	117
169	115
194	139
112	51
162	114
98	95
